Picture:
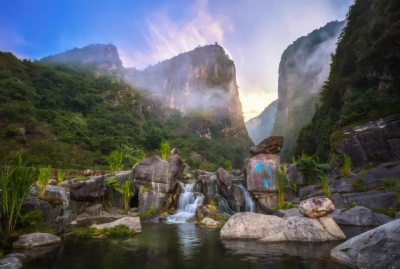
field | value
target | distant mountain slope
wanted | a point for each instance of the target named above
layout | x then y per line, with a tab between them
364	78
303	69
260	127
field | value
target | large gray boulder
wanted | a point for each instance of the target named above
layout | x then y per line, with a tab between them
36	240
377	248
357	216
274	229
89	190
133	223
262	173
316	207
370	199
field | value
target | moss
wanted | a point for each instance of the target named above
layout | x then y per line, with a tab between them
145	187
91	232
391	212
145	215
54	201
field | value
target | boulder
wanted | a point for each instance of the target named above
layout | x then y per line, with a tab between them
262	173
153	171
176	167
274	229
383	219
357	216
57	192
375	141
88	190
224	177
296	176
291	212
270	145
377	248
94	210
316	207
210	223
133	223
209	211
36	240
370	199
397	215
10	263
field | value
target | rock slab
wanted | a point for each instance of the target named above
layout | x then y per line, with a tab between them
36	240
133	223
377	248
316	207
357	216
270	228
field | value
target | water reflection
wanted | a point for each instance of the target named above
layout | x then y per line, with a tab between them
183	246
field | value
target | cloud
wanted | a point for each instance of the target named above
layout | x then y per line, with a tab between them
11	40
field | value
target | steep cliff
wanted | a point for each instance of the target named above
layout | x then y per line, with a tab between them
260	127
364	79
303	68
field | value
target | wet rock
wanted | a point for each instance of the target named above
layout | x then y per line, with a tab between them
270	145
10	263
210	223
375	141
94	210
36	240
88	190
316	207
358	216
377	248
224	177
133	223
274	229
209	211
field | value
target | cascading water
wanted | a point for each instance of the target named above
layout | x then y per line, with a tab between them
188	202
249	201
222	203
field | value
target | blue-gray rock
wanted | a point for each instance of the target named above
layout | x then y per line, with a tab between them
36	240
357	216
397	215
10	263
377	248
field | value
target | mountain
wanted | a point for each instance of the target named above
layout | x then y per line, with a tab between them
200	85
72	109
364	78
303	68
260	127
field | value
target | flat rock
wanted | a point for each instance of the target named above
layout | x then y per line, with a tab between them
210	223
377	248
10	263
316	207
36	240
270	228
357	216
370	199
133	223
291	212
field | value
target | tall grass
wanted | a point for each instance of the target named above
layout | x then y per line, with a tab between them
345	171
283	183
15	181
127	190
60	177
43	179
310	167
325	186
115	161
165	150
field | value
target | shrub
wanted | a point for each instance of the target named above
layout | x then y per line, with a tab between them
310	167
127	190
43	179
165	150
228	165
115	161
284	183
15	181
206	166
325	186
118	231
84	233
345	171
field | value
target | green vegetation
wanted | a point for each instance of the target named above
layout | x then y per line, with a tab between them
311	168
127	190
284	183
165	150
325	186
228	165
393	184
391	212
115	161
43	179
151	213
358	184
207	166
33	219
345	170
60	177
54	201
89	232
15	182
353	204
364	77
67	116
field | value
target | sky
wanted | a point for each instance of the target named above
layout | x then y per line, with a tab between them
254	32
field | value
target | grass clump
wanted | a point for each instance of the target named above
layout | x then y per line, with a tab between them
345	171
84	233
325	186
310	167
115	161
284	183
43	179
165	150
60	177
145	215
391	212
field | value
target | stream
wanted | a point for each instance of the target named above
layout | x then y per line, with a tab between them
185	245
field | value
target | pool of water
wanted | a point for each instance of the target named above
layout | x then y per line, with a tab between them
189	246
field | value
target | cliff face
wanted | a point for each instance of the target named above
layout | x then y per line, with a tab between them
303	69
364	77
200	84
260	127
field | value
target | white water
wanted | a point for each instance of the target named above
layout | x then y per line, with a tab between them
188	202
249	201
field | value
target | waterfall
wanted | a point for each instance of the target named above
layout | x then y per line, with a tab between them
188	202
212	189
249	201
